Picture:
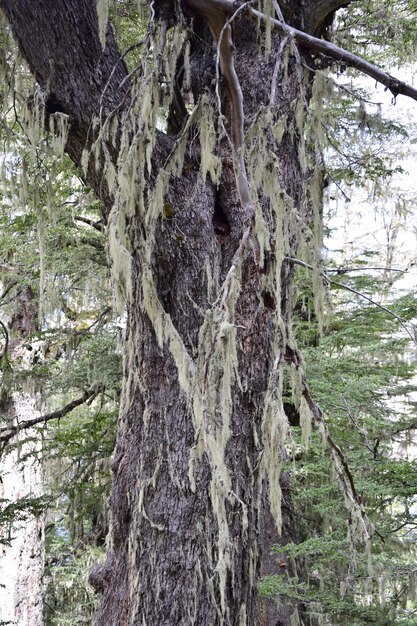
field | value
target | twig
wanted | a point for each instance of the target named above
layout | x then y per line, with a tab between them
106	86
276	70
402	320
347	270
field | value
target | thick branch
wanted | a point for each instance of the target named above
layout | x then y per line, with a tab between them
98	225
396	86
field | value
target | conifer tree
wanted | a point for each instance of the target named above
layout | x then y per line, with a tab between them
206	159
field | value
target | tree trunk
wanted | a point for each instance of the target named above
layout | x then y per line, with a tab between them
22	553
21	485
205	223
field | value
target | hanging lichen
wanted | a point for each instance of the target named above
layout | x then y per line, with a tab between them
103	16
210	163
208	377
59	126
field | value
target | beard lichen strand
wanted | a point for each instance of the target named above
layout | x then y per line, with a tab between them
311	236
321	299
39	212
297	382
295	619
209	162
134	195
269	12
102	7
33	120
165	331
215	377
128	200
274	433
282	221
59	127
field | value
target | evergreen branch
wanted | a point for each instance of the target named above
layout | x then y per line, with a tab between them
401	320
7	432
395	86
340	462
318	418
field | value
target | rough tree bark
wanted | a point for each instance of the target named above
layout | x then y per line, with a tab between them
195	496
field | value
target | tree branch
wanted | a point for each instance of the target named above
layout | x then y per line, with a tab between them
8	288
340	462
403	322
396	86
7	432
6	341
98	225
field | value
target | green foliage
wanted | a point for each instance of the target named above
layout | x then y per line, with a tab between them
69	600
54	270
384	33
12	513
361	375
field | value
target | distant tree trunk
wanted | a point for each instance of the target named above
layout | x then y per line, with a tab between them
21	480
22	554
196	496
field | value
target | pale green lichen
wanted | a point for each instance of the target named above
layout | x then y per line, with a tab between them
59	127
210	163
210	381
103	16
268	12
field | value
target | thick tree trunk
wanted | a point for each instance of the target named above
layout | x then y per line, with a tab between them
201	432
200	439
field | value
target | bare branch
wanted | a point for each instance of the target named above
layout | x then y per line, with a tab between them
347	270
8	288
98	225
7	432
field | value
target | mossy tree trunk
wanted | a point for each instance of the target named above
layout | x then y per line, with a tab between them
206	224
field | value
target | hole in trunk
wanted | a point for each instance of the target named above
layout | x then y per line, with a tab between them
268	300
221	224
